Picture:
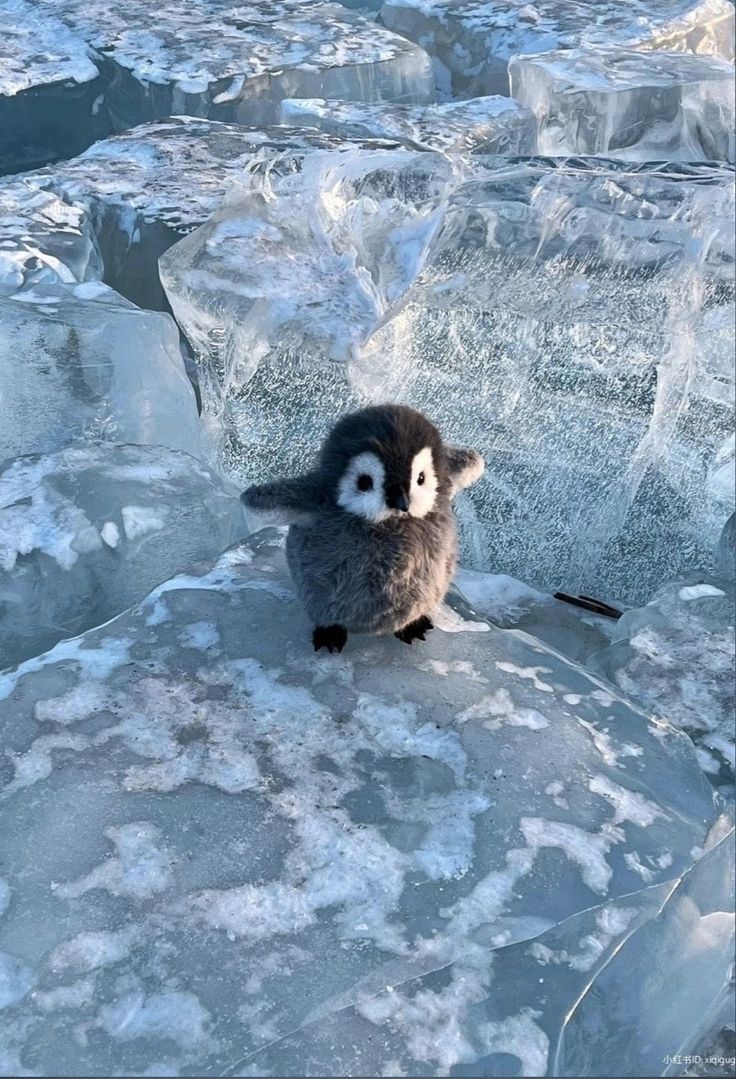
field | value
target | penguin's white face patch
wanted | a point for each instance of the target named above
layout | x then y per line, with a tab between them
360	490
423	490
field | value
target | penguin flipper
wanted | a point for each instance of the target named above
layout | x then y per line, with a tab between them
291	500
466	467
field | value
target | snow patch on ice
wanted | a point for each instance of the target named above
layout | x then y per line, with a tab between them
140	870
699	591
628	805
394	728
585	849
176	1016
200	635
449	621
521	1037
110	534
139	520
93	950
501	598
15	980
67	997
94	663
530	673
611	922
499	709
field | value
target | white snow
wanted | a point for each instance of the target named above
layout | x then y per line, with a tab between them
140	869
585	849
93	950
138	520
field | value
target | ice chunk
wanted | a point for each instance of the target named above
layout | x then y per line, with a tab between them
79	361
88	531
472	41
383	882
44	237
570	319
492	125
128	198
174	172
286	281
236	62
51	101
675	657
574	631
634	105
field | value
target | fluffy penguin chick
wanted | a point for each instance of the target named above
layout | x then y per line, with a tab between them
372	540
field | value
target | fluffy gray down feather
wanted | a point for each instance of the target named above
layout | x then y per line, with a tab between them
369	578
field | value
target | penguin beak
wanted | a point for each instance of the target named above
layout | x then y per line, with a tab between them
396	499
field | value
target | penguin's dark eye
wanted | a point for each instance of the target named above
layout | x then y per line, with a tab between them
365	482
420	478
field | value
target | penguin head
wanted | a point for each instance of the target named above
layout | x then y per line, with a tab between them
385	461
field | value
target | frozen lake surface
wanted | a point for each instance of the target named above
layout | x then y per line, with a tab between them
507	850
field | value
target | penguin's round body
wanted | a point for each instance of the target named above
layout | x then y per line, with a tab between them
372	540
403	571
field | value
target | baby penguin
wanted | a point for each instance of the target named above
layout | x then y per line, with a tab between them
372	540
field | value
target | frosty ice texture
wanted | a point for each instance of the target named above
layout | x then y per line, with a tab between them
80	362
493	125
395	861
286	281
674	657
128	198
89	530
237	61
472	41
638	106
570	320
44	237
220	852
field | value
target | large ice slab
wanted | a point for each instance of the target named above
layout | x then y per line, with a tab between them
286	282
570	319
573	322
117	207
88	531
634	105
51	101
472	41
675	657
491	125
80	362
237	61
455	859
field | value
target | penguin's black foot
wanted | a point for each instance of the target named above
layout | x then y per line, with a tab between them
332	638
415	631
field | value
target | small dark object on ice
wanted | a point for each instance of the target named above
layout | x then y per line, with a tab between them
597	606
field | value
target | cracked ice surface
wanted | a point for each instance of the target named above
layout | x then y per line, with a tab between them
492	125
472	41
236	61
89	530
633	105
572	320
337	837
